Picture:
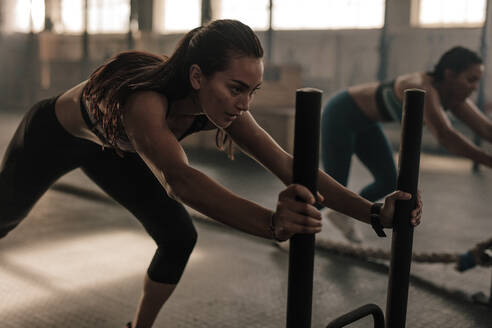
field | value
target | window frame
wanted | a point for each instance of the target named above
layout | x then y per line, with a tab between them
341	28
415	19
158	21
66	31
322	28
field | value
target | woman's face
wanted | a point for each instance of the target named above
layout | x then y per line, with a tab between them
463	84
226	95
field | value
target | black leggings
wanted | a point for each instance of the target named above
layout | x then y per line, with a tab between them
41	151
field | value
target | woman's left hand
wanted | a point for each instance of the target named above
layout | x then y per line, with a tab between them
388	209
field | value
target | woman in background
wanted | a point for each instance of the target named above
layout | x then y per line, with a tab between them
351	124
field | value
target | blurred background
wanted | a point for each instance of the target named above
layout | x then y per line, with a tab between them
47	46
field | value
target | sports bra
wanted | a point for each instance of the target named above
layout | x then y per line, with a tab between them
389	106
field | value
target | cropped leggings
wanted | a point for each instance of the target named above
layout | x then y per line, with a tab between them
346	130
41	151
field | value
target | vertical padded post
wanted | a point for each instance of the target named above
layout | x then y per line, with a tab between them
402	239
305	172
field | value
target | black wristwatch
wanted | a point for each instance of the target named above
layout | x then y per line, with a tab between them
376	219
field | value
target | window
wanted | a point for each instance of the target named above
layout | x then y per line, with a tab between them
72	16
254	13
176	15
28	15
104	16
308	14
109	16
446	13
328	14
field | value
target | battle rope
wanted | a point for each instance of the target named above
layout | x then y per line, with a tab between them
479	255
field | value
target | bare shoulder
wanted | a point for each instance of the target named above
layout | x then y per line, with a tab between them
73	95
146	101
145	107
145	111
418	80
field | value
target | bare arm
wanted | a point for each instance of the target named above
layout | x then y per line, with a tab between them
254	141
468	113
147	129
440	126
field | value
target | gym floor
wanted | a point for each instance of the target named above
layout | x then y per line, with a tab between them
79	259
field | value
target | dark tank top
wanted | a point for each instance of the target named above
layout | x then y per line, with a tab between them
389	106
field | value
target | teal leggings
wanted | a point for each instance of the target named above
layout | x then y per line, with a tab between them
346	130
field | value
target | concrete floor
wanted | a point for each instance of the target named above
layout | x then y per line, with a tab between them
78	260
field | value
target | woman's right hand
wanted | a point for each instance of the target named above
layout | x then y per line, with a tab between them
296	213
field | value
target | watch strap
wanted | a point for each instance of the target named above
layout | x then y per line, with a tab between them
376	219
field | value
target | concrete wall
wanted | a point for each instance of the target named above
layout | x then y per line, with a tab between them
329	60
